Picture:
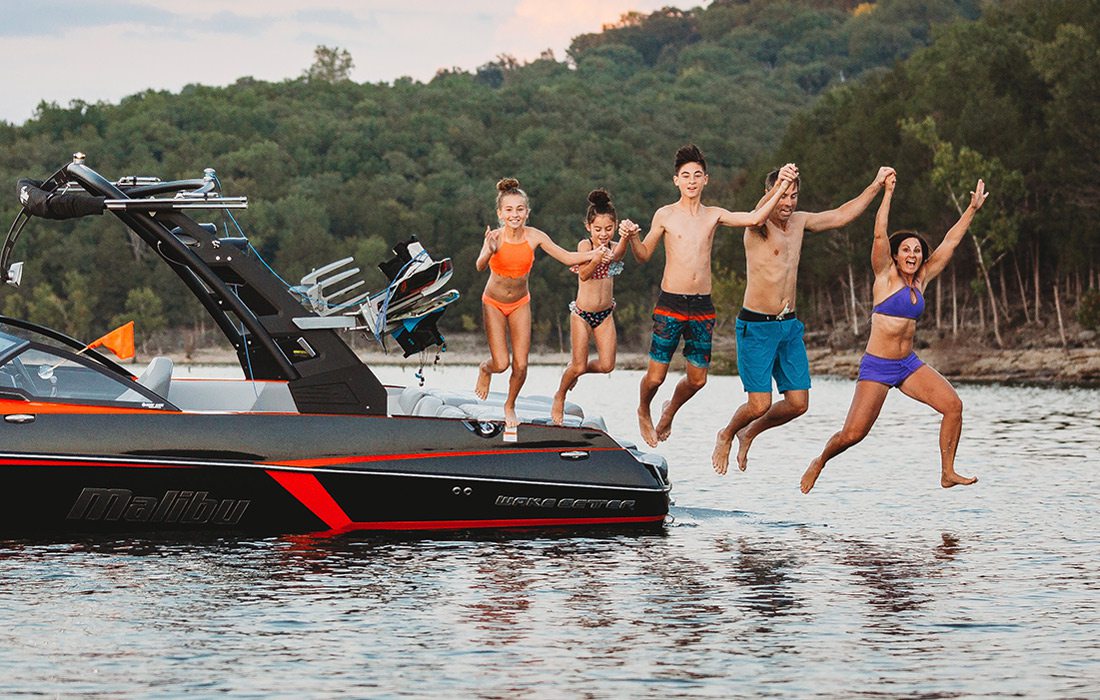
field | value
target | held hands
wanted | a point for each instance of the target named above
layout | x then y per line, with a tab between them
978	196
884	172
891	181
603	254
788	173
629	229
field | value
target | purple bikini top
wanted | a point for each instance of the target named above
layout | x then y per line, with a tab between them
900	303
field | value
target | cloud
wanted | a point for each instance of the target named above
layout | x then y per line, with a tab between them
535	24
105	50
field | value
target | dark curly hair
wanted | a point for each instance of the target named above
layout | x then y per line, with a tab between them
599	202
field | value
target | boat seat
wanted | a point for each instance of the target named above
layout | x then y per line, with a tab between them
157	377
408	398
433	406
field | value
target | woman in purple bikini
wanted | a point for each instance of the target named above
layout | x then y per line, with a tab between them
903	268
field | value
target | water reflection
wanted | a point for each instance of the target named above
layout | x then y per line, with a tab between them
756	590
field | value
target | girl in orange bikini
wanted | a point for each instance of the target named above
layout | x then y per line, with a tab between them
509	253
591	312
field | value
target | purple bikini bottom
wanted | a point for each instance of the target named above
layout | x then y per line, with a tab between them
890	372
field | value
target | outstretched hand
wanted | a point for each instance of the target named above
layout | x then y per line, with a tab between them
978	196
492	239
884	172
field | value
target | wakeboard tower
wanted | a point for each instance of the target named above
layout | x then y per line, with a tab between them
310	440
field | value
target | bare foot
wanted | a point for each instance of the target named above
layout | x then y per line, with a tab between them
664	426
812	472
720	458
557	409
481	389
645	425
743	444
950	479
510	420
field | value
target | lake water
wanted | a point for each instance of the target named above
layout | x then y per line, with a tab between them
879	583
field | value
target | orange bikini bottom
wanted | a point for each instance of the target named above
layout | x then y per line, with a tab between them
505	307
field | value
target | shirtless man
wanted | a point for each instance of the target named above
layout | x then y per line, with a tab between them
769	335
684	308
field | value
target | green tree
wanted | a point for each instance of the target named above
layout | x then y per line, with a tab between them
331	64
956	170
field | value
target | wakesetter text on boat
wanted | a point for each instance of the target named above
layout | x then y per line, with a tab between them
309	441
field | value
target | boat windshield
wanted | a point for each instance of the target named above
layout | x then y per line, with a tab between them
7	343
41	375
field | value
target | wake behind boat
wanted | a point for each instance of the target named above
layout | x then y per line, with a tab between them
310	440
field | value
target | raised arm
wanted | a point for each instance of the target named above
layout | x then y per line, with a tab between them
943	252
644	249
757	217
492	242
619	251
847	212
880	248
565	257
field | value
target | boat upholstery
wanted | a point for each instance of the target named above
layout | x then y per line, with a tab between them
157	377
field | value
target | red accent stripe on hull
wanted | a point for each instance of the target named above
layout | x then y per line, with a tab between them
330	461
309	491
405	525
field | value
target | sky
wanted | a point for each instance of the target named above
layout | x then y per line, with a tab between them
103	50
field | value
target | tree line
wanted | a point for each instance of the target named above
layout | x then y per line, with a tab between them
943	90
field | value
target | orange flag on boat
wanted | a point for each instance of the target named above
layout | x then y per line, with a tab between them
120	341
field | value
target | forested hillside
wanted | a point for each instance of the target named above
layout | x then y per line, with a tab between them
333	167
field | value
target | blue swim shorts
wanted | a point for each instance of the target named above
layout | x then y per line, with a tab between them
771	349
873	368
687	316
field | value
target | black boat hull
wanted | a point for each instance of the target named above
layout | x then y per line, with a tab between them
290	473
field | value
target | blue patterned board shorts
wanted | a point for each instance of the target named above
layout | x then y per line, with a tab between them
687	316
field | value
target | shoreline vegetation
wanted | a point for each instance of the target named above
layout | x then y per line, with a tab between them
958	361
943	91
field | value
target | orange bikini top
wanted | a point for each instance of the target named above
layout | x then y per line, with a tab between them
512	259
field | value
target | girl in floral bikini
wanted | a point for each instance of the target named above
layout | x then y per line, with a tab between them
509	253
591	312
903	268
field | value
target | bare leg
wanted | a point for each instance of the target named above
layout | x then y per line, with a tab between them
793	404
929	387
651	382
519	327
756	406
606	343
694	380
578	365
866	405
496	326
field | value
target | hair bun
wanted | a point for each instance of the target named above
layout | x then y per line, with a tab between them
507	184
599	198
